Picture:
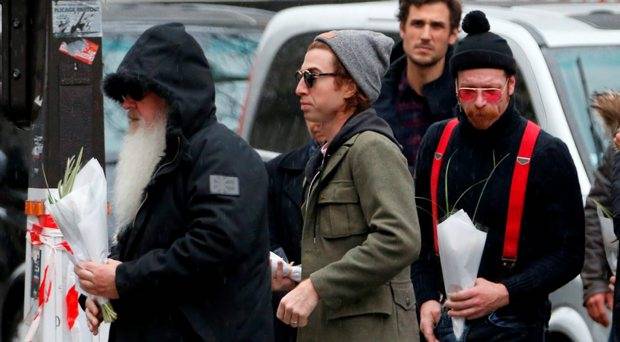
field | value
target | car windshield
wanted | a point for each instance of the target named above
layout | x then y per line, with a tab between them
229	51
578	72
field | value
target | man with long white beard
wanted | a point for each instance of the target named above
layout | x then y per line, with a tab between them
142	148
190	259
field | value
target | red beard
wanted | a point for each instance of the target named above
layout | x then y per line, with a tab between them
482	118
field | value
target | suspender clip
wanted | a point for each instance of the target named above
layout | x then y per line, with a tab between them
508	264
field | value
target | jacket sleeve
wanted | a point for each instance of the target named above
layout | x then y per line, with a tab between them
560	206
222	229
426	271
595	272
386	196
275	188
615	190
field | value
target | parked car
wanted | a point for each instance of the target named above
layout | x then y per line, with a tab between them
229	36
564	52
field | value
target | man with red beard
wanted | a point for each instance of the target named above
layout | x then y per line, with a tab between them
515	181
190	261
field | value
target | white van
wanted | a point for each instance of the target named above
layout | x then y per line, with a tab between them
564	52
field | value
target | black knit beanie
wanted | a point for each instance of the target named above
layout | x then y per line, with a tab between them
481	48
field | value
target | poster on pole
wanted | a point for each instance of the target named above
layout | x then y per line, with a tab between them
76	18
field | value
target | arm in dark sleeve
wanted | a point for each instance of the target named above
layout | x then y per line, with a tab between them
562	213
615	199
595	271
114	253
275	189
222	229
426	270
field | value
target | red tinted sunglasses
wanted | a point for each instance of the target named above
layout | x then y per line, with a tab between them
490	95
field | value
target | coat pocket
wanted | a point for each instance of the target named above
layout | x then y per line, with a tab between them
404	300
378	301
340	211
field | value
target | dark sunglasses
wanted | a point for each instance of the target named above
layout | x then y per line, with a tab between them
133	89
134	94
310	77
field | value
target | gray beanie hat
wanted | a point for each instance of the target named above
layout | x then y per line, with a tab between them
365	55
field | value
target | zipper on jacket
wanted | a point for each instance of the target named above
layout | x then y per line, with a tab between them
310	190
146	195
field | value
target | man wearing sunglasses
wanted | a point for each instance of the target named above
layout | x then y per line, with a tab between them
360	231
418	89
516	182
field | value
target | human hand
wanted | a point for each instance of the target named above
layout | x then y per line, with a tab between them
430	313
297	305
98	279
482	299
598	305
280	283
93	315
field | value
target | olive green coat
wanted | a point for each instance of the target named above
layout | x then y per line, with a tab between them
360	236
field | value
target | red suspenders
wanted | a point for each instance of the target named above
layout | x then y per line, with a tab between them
517	187
437	160
517	192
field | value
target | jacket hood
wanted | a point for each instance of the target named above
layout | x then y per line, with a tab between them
364	121
361	122
168	61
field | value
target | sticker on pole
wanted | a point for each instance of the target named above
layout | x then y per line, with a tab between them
83	50
76	18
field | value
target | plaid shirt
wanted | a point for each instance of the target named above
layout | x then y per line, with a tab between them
415	117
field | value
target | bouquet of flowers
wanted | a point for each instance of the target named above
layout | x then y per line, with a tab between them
290	271
80	212
461	245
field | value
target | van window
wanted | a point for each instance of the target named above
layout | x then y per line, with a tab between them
523	98
578	72
279	125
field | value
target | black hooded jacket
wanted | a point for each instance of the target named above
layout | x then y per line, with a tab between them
195	261
551	247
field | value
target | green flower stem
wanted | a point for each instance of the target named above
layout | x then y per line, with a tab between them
109	315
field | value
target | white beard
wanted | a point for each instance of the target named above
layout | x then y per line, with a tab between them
141	151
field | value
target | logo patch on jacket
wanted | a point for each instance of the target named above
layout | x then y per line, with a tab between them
224	185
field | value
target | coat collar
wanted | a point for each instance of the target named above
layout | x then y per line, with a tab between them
335	159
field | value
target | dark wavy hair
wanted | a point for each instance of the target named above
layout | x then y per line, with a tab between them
454	6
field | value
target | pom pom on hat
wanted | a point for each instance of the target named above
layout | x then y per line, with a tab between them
475	22
481	48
